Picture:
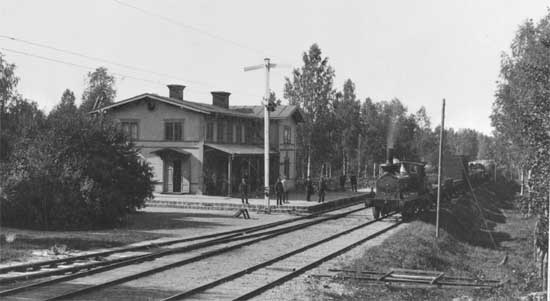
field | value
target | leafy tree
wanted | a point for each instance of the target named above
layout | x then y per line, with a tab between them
80	173
64	171
311	89
100	90
22	120
425	140
347	122
373	143
520	115
8	84
486	147
64	109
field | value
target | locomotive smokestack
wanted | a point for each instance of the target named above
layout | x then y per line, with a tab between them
389	155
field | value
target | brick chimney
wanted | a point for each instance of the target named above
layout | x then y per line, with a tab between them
175	91
220	99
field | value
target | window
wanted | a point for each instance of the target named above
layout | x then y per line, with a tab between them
210	131
247	132
229	132
173	130
243	133
287	135
220	131
239	133
130	129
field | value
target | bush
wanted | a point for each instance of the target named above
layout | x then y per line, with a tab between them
79	173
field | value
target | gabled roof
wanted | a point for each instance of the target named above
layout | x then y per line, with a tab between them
281	112
184	104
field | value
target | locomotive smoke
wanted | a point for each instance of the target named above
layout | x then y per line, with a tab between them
392	133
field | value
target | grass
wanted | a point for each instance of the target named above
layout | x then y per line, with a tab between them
137	227
464	248
55	242
147	224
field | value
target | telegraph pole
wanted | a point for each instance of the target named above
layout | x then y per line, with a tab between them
441	132
267	65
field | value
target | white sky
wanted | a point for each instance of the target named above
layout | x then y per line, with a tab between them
417	51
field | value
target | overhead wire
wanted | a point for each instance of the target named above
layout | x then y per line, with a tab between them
122	75
194	28
72	64
41	45
190	27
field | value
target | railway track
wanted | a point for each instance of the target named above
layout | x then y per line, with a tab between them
74	264
261	277
231	242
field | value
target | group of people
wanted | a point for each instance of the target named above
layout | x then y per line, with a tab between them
281	189
352	180
310	190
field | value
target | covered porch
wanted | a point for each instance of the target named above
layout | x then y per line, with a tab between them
226	164
176	170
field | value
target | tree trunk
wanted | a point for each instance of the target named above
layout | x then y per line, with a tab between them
544	270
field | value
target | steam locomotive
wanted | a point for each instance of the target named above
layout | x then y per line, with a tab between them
401	187
404	186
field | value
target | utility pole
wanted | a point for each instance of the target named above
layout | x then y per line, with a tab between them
267	66
441	132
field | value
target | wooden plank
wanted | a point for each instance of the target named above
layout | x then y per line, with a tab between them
437	278
385	275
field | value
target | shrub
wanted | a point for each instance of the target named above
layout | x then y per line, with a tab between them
79	173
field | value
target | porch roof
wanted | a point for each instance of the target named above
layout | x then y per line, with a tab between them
239	149
171	150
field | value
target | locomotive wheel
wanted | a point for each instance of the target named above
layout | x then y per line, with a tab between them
376	212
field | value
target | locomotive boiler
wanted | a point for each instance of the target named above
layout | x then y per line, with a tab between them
402	187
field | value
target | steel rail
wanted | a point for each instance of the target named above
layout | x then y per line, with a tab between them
397	270
152	256
207	254
256	237
55	262
412	281
249	270
311	265
34	265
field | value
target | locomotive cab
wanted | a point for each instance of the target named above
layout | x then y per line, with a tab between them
401	187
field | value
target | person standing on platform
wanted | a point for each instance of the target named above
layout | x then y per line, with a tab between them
343	182
322	189
279	192
243	189
309	189
353	181
285	190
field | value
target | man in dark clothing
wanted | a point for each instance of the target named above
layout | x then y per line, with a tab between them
322	188
309	189
243	189
353	181
343	182
279	191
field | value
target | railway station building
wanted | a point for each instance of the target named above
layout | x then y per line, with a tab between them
201	148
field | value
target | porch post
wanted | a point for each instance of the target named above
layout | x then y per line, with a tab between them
229	164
